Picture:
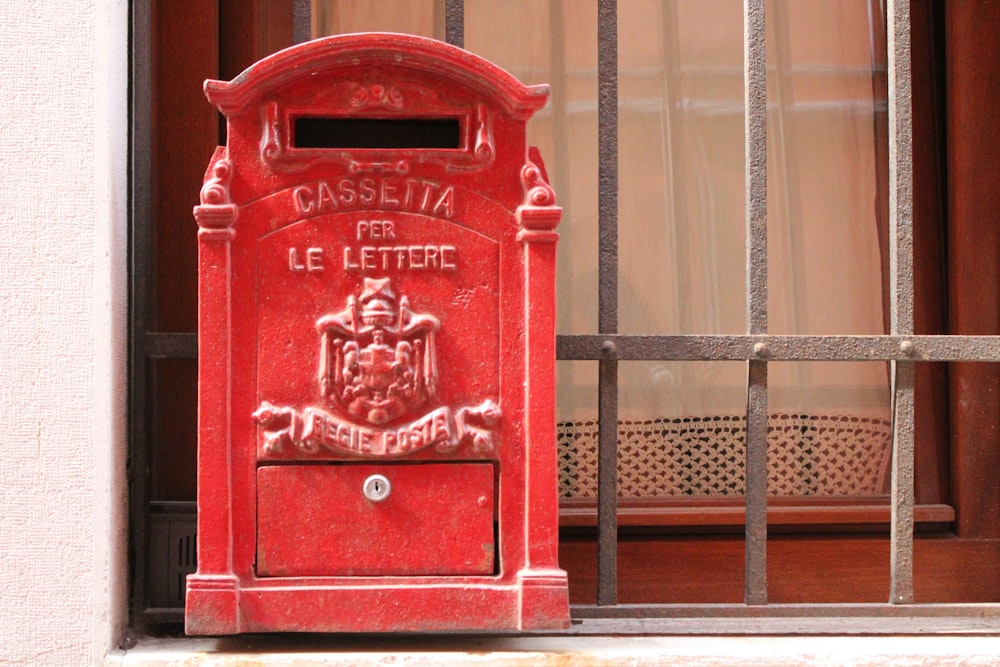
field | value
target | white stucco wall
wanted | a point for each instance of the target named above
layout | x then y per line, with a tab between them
63	137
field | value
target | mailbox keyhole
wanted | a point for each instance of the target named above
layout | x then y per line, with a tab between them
376	488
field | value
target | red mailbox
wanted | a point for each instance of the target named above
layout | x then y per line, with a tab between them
376	348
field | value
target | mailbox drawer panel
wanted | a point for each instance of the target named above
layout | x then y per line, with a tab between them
316	520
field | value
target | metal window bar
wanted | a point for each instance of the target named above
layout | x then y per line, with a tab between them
755	150
607	307
901	300
758	348
454	22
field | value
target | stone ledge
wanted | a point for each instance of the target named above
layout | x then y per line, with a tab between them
539	651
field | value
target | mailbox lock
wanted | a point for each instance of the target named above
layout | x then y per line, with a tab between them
376	488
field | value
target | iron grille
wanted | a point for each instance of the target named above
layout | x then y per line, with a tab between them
901	348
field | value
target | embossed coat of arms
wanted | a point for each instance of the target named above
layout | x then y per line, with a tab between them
377	359
378	373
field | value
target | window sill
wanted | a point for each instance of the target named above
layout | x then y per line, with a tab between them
729	511
413	651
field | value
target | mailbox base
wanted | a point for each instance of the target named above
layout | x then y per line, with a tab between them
538	601
212	605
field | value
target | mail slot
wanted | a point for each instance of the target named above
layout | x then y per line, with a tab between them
376	348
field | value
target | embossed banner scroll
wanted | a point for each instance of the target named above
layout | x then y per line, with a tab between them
309	429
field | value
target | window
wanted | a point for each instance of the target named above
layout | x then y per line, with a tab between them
660	337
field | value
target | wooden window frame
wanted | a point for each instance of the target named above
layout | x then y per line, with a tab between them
955	280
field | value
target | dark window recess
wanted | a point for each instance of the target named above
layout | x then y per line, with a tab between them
376	133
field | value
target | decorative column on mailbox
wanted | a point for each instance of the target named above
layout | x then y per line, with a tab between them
376	348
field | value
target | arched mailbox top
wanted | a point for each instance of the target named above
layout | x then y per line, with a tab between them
326	59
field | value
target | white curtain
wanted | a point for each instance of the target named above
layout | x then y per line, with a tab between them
681	202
